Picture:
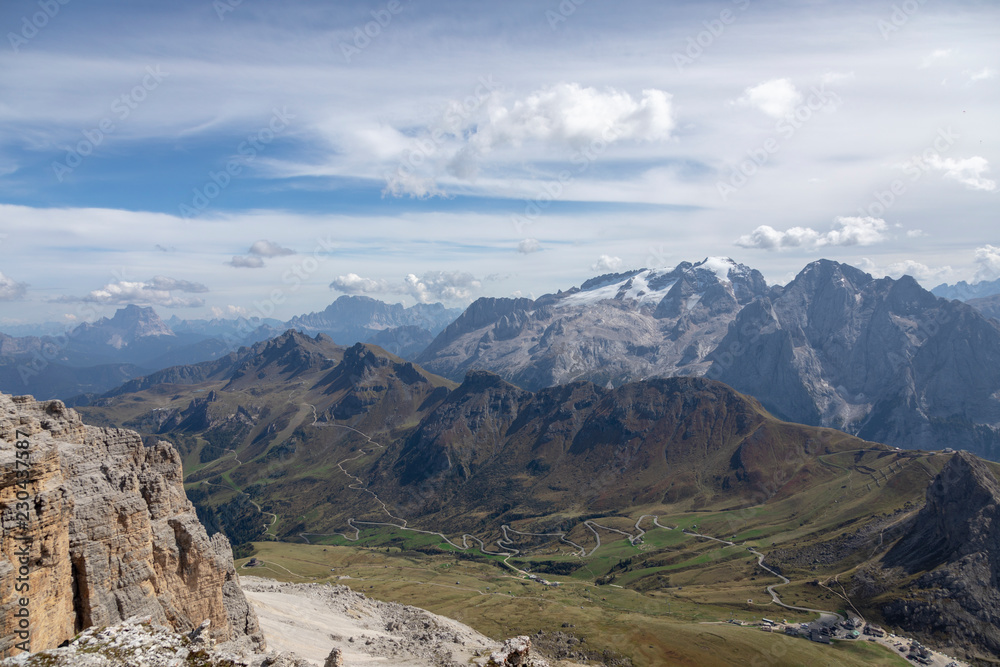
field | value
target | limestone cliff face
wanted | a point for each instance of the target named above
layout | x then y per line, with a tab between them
112	534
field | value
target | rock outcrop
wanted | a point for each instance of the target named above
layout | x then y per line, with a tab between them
953	549
516	652
96	529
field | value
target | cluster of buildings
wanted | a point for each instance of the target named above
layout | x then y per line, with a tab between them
543	582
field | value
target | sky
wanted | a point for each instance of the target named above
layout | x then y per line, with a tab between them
244	157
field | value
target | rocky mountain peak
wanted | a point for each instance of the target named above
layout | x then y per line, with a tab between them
961	517
824	272
360	357
129	324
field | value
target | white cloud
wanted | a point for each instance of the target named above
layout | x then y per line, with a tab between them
571	114
935	55
241	262
264	248
10	289
919	271
352	283
846	231
528	246
432	286
142	293
969	171
988	259
915	233
607	263
777	98
442	285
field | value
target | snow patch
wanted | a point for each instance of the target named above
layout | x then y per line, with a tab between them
720	265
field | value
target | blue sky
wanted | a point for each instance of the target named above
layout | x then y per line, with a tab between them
247	157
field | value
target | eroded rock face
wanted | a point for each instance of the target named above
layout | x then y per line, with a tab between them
953	545
107	533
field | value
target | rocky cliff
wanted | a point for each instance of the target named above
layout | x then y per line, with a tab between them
940	580
880	358
96	529
956	540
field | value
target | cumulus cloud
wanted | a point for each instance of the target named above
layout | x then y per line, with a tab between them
571	114
442	285
969	171
846	231
776	98
240	262
352	283
265	248
432	286
607	263
155	292
528	246
11	290
564	115
988	261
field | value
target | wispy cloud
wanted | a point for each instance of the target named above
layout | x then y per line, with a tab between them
968	172
934	56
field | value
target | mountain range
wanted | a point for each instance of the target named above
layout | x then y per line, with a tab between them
881	358
963	291
95	357
299	439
